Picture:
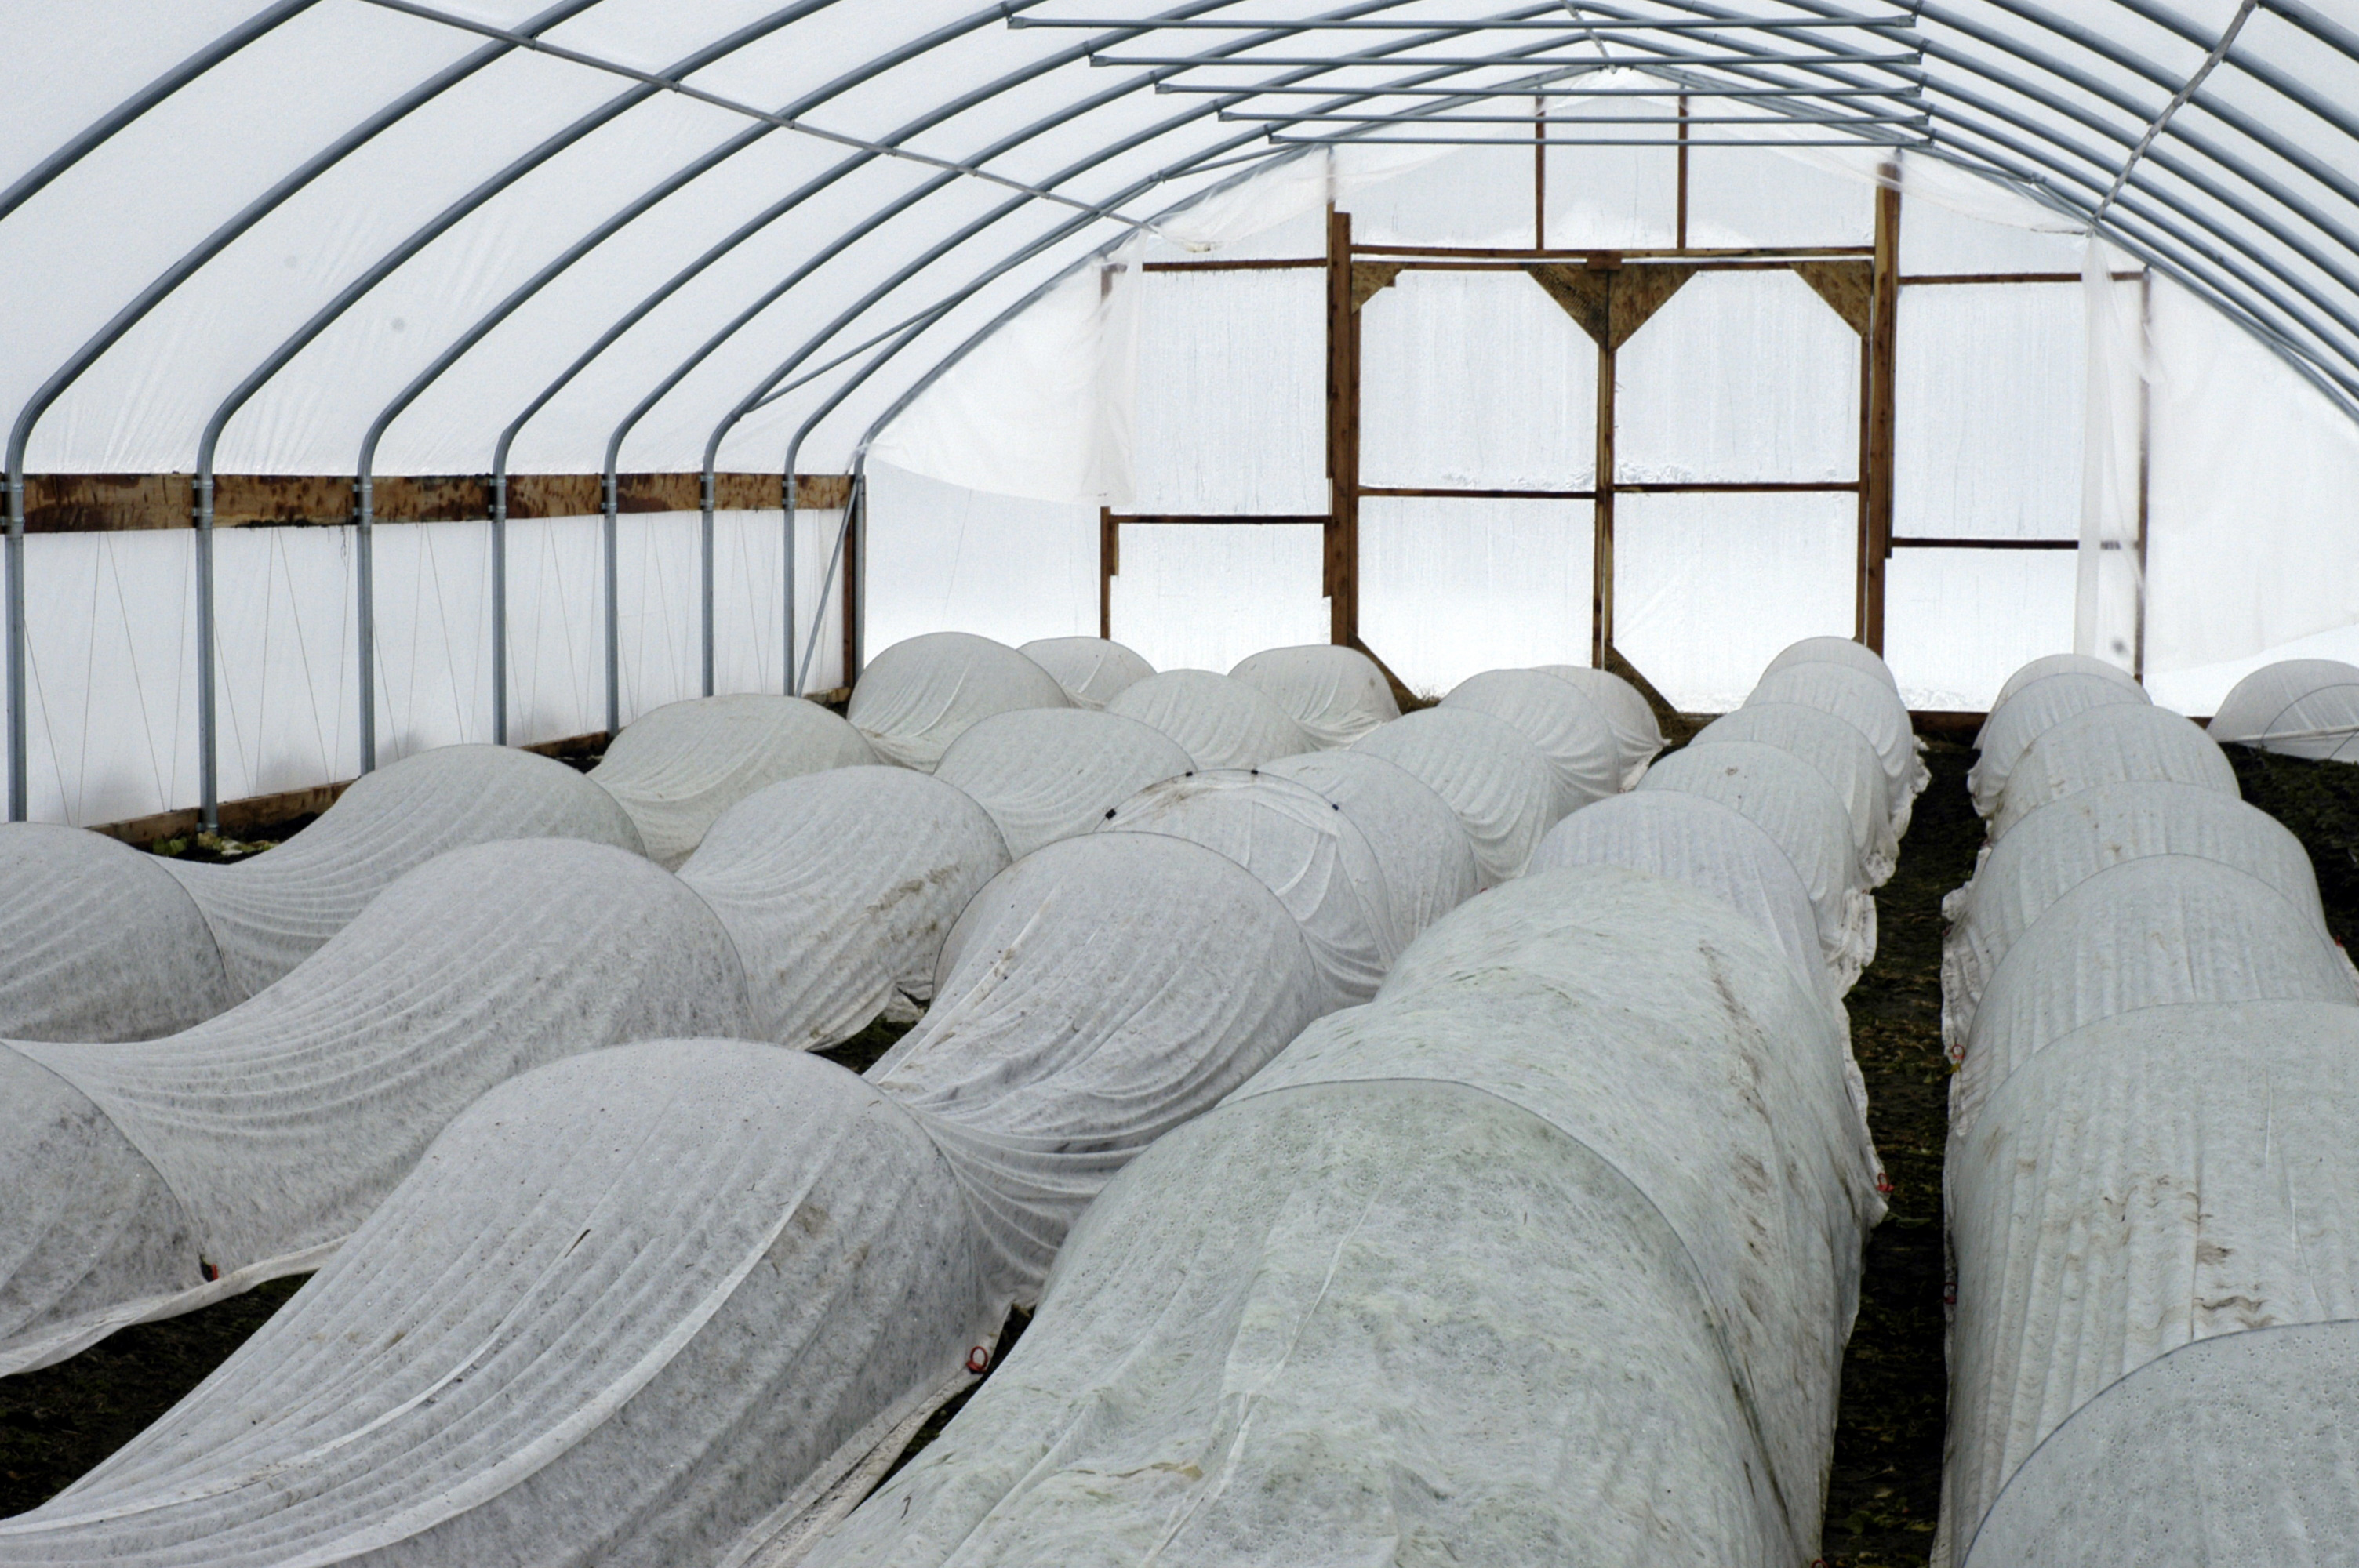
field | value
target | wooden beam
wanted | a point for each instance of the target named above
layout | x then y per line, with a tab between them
1781	254
1342	557
1109	564
851	596
1929	542
1221	519
1883	340
1266	264
1922	279
102	502
1449	493
1601	559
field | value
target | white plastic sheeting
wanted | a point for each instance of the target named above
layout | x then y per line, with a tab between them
1841	756
2147	932
2253	1471
1219	721
1570	730
1709	847
102	944
1428	863
1092	997
678	768
2032	711
1635	730
838	888
2304	707
1869	706
2064	843
1791	802
1046	773
1092	670
1651	1274
151	1177
1301	845
2150	1180
918	695
2113	744
609	1309
1336	694
1502	788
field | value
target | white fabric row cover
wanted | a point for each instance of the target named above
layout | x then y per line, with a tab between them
1336	694
2149	1131
1712	848
2057	664
1792	803
1498	782
1635	731
2067	841
2112	744
2028	714
1092	670
1303	848
1571	731
1841	651
596	1334
1046	773
2255	1468
1841	756
1868	704
1220	721
2304	707
917	696
140	1172
2151	1181
1548	1255
108	943
2152	932
1428	863
679	767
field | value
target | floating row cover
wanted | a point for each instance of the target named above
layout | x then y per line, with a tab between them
1336	694
2057	664
1694	839
918	695
1092	670
2110	745
1303	846
107	948
2070	840
1869	705
1428	863
1841	756
1094	996
1793	802
2304	707
1220	721
1497	781
1570	731
2152	1180
1046	773
1638	736
1504	1266
2148	1141
677	769
2023	717
277	1125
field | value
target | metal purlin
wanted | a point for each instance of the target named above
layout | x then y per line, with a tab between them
2220	278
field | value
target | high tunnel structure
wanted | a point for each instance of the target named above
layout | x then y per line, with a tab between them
383	374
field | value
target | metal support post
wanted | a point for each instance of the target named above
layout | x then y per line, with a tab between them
613	618
500	609
365	555
704	566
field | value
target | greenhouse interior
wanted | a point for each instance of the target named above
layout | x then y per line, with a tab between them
1230	783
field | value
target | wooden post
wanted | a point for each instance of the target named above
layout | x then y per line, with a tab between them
858	504
1883	338
1109	566
1539	177
1601	568
1342	554
1682	240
